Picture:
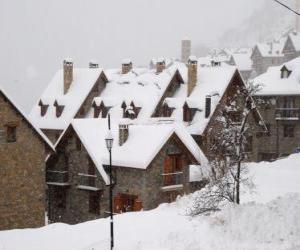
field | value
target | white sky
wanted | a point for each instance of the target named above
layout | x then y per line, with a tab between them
35	35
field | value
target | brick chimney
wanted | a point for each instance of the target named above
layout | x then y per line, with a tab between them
192	73
126	66
186	46
123	133
93	64
160	65
68	74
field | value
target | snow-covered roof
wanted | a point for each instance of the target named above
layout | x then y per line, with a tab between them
211	81
243	61
272	83
271	49
30	121
83	81
142	87
134	153
295	38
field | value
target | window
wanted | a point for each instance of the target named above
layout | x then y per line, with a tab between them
96	111
187	117
60	195
78	144
11	133
249	144
94	202
288	130
91	171
173	168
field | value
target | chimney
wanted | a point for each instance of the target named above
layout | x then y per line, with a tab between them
297	16
207	106
186	45
68	74
192	73
126	66
93	64
123	133
160	65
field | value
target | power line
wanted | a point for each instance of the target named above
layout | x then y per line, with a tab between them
287	7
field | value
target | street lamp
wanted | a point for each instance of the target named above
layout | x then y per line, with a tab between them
109	143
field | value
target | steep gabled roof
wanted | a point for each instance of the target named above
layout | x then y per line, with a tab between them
211	81
272	84
271	49
141	86
31	123
295	39
143	143
84	80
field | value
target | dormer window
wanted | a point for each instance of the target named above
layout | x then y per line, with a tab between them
130	111
59	109
166	110
285	73
97	110
43	108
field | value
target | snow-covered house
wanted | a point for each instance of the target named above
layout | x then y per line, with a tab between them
23	149
265	55
69	95
278	101
151	165
202	100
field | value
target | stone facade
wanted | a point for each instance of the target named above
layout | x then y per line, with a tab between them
262	63
283	124
22	171
145	185
211	140
289	50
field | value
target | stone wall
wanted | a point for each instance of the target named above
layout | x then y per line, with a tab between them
145	184
275	143
22	173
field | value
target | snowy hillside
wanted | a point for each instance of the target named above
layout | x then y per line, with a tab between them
266	23
268	225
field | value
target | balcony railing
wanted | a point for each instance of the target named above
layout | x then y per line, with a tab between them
87	182
172	179
287	113
57	177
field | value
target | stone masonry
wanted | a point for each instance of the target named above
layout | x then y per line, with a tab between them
22	172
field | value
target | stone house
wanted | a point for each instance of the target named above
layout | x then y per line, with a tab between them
203	100
265	55
69	95
278	101
151	165
243	62
23	149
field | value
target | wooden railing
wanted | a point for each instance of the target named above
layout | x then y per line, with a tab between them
57	176
170	179
287	114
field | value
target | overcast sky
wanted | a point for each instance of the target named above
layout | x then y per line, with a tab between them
36	35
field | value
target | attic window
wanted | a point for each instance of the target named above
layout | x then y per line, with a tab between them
166	110
44	108
285	73
130	111
59	109
11	132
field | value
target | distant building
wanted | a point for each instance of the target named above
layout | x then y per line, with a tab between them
23	150
279	103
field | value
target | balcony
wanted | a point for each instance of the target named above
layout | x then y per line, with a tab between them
57	178
87	182
287	114
172	181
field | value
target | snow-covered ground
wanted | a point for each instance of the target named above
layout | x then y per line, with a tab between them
273	223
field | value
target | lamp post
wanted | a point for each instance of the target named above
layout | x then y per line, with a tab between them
109	143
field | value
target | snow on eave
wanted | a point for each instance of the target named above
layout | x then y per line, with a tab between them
98	165
35	128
